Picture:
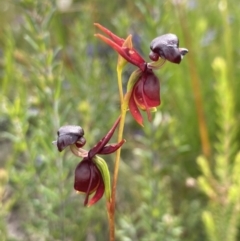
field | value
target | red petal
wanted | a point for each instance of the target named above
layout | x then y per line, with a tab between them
146	92
119	41
98	194
111	148
130	55
97	148
111	43
151	90
139	96
134	110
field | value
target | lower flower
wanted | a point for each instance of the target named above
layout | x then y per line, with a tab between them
91	174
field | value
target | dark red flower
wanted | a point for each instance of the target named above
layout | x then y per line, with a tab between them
144	90
91	174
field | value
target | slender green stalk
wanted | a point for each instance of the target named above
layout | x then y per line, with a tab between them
196	86
119	78
111	204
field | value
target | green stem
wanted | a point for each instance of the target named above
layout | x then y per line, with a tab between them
119	78
196	85
111	204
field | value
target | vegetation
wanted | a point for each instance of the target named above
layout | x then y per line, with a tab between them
179	176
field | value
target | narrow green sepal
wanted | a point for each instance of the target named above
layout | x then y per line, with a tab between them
131	82
121	61
103	168
133	79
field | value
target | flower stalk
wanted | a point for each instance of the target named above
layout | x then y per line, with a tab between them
111	205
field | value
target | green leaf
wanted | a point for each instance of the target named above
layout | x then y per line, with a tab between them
203	164
31	42
209	224
205	186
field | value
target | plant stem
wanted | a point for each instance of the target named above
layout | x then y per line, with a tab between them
196	85
111	205
119	78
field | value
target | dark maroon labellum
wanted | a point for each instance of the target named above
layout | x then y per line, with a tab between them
167	47
68	135
70	129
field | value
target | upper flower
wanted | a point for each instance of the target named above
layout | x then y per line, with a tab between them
91	174
143	90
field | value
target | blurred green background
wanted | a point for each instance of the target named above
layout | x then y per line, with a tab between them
179	176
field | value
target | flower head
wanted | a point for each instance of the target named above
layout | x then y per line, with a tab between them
91	174
143	90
